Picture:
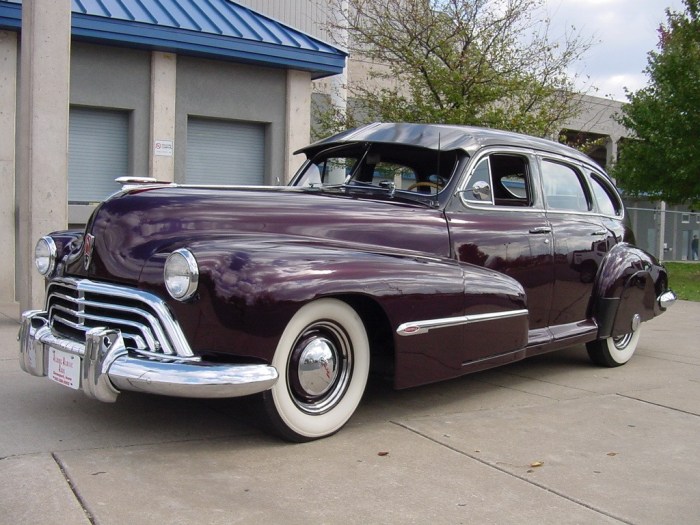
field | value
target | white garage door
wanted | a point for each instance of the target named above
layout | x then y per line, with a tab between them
98	153
225	152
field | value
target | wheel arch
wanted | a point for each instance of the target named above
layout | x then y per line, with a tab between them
625	293
379	331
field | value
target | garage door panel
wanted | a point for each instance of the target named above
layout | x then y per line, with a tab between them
98	153
225	152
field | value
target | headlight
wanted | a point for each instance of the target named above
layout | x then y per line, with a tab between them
45	255
181	274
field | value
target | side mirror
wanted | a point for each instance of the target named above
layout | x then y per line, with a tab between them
481	191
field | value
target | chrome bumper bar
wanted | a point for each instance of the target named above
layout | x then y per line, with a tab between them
107	368
666	299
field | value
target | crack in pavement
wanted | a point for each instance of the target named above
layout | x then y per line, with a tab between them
495	466
74	489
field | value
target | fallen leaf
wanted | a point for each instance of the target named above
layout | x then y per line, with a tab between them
612	454
537	464
382	454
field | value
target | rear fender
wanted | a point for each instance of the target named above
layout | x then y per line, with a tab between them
626	290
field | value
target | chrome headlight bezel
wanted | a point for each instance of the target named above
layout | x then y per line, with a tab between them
45	254
181	274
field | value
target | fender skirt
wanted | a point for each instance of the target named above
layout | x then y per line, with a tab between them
637	303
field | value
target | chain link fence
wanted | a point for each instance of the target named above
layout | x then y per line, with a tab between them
667	232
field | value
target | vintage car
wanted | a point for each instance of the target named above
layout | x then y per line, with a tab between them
419	251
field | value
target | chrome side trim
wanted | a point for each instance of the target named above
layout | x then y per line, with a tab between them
107	367
422	327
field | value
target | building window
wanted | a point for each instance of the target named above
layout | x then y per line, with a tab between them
685	218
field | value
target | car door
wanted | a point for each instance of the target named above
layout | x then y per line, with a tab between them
497	221
580	242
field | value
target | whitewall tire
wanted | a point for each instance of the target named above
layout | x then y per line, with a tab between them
613	351
323	362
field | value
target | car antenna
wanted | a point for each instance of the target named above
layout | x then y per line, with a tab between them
437	172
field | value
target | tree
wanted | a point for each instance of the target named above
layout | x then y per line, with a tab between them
663	160
481	62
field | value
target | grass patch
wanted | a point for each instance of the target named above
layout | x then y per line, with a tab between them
684	279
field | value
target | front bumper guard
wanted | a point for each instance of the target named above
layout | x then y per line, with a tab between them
107	368
667	299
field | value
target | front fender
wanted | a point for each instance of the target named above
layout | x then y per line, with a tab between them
250	288
626	290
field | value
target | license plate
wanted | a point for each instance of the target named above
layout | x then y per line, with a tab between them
64	368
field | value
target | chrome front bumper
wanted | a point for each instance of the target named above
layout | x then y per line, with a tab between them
107	367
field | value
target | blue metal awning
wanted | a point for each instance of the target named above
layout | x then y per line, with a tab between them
218	29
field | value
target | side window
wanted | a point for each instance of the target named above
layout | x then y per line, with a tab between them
608	202
563	187
331	170
403	177
500	179
479	188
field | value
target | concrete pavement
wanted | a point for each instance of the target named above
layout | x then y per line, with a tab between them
549	440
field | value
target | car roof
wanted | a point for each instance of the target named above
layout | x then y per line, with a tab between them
444	137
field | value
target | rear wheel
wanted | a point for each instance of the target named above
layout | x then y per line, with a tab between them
323	363
613	351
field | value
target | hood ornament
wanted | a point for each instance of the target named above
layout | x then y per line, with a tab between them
88	247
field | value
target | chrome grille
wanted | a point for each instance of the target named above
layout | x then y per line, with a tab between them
75	306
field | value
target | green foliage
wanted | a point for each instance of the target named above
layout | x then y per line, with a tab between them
664	160
480	62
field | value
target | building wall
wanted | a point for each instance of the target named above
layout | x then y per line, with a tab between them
309	16
115	78
108	77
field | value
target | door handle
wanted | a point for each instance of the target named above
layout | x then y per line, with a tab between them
541	229
600	233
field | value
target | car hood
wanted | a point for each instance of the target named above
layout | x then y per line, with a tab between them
133	227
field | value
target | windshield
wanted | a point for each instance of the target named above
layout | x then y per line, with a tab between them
389	166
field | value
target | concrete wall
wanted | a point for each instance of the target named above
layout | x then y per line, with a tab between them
8	110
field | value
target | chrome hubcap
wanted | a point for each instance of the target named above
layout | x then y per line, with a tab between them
320	367
622	341
317	367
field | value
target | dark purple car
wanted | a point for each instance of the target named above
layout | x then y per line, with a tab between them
422	251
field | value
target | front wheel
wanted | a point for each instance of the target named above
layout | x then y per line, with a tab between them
323	362
613	351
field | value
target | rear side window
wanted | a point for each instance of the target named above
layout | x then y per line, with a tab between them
564	188
605	196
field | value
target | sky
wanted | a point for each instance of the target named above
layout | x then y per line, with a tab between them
624	31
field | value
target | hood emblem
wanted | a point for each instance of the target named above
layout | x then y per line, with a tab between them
88	246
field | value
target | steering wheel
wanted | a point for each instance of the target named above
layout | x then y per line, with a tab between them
428	184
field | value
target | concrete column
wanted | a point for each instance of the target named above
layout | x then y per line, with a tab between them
42	167
298	120
161	158
8	107
611	150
